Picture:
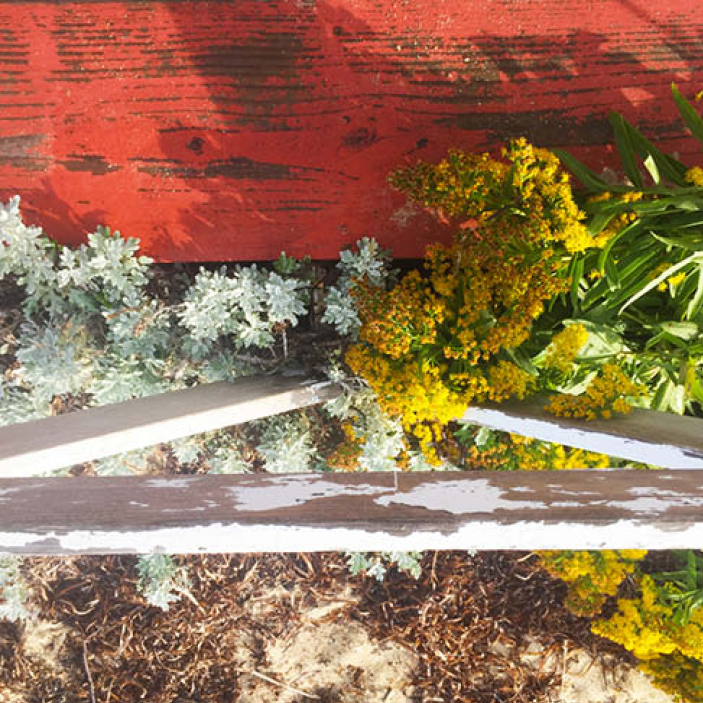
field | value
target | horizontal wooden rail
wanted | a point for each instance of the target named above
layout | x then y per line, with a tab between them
661	439
36	447
614	509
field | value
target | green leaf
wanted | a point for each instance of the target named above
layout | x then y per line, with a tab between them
630	231
611	274
659	401
669	168
692	242
576	275
588	178
696	391
651	165
682	330
677	400
695	304
660	279
603	339
688	112
483	438
599	222
625	149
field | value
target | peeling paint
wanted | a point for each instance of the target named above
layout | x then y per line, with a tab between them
642	443
170	482
239	538
288	491
459	498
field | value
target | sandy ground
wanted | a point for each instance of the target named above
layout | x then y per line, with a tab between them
293	641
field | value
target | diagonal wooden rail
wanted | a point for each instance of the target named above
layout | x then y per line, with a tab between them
39	446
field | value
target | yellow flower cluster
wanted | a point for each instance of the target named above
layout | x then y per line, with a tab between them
428	347
543	190
441	339
619	221
670	649
680	676
591	576
564	348
529	198
607	393
647	627
346	455
694	176
673	281
515	453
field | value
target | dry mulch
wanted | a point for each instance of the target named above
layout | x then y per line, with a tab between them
466	619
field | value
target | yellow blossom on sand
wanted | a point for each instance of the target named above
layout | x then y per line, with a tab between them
591	576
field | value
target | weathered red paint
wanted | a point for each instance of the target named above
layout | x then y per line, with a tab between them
233	130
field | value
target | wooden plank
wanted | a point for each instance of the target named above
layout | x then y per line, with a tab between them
232	130
257	513
35	447
661	439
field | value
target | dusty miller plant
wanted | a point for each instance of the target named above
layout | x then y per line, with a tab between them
377	565
14	593
161	580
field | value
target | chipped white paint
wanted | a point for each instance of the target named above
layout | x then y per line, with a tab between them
39	446
625	509
170	482
289	491
458	497
461	498
661	439
237	538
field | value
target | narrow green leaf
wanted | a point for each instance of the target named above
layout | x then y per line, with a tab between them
695	304
660	401
611	274
660	279
628	232
576	276
682	330
697	391
688	112
625	149
651	165
692	242
670	168
588	178
599	222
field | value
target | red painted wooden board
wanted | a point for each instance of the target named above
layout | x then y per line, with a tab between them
236	129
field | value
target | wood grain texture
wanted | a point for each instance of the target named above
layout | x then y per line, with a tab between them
219	130
39	446
661	439
305	512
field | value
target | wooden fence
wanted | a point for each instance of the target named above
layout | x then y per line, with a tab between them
234	130
374	511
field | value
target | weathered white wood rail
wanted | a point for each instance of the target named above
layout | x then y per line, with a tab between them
661	439
40	446
258	513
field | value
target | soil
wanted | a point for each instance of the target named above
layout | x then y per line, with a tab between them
489	628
